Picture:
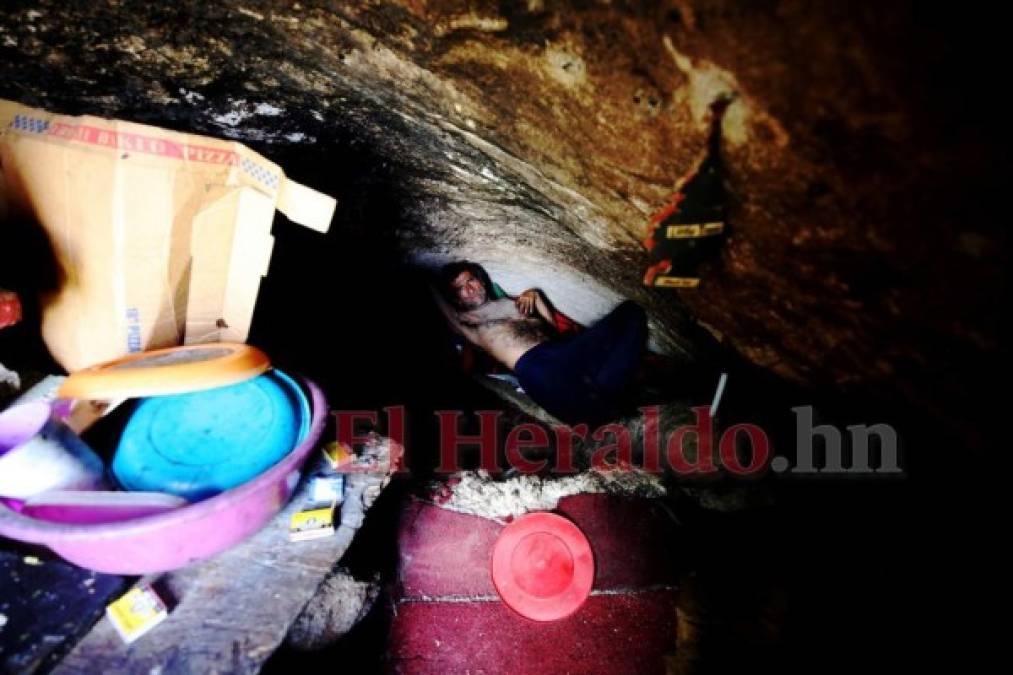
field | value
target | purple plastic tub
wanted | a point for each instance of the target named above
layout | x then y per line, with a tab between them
168	541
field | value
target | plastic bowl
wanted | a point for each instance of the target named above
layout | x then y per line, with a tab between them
171	540
39	453
203	443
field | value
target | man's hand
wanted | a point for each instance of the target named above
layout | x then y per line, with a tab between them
527	301
531	302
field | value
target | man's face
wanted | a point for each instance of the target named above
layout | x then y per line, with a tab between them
468	290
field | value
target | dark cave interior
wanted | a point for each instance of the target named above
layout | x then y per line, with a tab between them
835	573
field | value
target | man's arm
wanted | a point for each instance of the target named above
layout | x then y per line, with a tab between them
533	300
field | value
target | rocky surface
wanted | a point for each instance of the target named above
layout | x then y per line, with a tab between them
538	137
478	494
338	605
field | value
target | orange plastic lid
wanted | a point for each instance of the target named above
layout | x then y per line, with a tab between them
543	567
175	370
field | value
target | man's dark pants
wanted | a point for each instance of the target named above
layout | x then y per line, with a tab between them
582	378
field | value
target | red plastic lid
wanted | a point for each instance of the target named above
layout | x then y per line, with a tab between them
543	567
10	309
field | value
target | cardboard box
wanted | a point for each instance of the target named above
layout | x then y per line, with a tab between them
160	238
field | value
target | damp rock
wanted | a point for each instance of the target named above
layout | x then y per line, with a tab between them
338	605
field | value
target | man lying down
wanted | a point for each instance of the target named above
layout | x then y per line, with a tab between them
576	375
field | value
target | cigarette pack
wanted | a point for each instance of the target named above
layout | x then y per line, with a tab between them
311	524
137	612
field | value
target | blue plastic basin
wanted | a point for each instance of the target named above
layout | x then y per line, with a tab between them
199	444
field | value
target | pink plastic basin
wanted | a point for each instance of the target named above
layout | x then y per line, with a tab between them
167	541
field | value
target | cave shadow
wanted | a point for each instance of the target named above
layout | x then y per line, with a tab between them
347	310
29	267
